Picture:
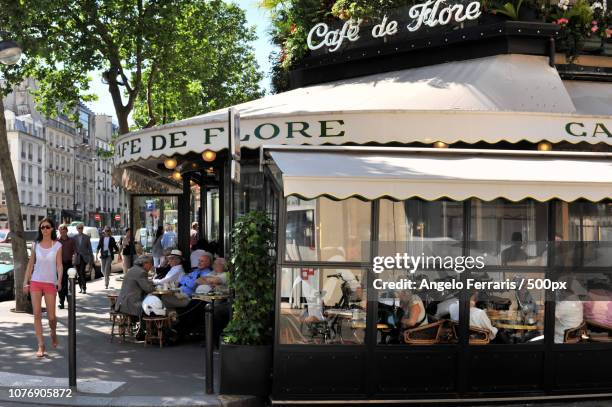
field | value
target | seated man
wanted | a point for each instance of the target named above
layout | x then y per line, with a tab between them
478	317
189	282
569	314
135	287
176	269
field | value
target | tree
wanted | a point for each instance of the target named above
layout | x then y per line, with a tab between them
138	44
220	71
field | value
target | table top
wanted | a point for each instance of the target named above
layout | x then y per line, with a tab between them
165	292
518	327
210	297
343	313
112	295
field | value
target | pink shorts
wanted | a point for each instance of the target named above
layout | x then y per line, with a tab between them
45	288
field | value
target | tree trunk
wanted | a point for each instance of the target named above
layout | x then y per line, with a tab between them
20	255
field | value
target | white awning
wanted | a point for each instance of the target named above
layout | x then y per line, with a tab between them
458	175
499	98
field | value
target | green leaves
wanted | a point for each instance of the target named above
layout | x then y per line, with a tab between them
510	10
252	279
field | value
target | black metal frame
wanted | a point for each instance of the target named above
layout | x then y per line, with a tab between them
453	371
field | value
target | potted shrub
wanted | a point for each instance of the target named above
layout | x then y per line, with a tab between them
246	351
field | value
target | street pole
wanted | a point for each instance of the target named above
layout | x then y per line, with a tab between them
208	312
72	372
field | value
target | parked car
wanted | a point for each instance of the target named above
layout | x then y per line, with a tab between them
7	275
4	235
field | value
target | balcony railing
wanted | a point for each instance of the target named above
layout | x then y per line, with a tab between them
61	126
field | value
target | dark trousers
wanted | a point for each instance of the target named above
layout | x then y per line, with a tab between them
81	273
63	292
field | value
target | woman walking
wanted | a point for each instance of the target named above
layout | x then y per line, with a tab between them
158	249
44	278
128	250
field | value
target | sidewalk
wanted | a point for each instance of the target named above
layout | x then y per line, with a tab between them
109	374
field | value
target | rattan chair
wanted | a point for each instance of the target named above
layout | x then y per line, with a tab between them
575	335
436	332
478	336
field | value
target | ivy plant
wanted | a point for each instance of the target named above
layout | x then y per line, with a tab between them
251	276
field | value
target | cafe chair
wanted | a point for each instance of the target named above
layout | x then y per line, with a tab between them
122	325
430	334
575	335
477	336
154	329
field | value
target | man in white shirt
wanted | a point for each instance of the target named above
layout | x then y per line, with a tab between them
478	317
176	271
568	315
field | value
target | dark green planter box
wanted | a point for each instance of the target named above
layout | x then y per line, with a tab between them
245	370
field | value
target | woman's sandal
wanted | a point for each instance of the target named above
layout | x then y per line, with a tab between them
41	351
54	341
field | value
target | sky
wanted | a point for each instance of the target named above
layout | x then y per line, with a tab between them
263	47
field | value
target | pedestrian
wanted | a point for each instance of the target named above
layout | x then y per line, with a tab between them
128	250
158	250
68	253
194	235
44	278
83	257
169	238
107	248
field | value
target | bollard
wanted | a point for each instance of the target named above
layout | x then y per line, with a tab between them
72	373
208	312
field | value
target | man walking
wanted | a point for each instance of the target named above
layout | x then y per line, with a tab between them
84	256
68	252
107	248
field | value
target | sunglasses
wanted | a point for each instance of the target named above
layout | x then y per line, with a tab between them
45	227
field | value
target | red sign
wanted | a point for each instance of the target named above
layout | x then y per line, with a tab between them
97	217
117	217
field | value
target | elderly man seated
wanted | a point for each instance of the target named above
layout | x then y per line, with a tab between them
135	287
189	282
176	269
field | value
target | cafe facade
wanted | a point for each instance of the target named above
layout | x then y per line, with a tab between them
470	142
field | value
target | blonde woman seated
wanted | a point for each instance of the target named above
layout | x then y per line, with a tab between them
414	310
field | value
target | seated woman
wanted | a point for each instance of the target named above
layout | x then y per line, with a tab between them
414	310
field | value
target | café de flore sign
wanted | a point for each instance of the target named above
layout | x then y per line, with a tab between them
364	127
431	13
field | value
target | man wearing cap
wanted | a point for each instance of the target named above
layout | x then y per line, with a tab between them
176	269
135	287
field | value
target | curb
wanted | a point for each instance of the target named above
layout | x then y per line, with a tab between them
140	401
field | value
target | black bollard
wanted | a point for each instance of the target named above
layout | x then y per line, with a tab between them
208	312
72	372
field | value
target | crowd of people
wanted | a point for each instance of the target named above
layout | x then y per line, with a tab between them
52	256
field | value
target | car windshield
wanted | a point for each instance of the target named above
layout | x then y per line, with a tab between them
6	255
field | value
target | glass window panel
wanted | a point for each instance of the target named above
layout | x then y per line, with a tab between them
322	306
421	227
152	212
506	316
583	234
326	230
509	233
419	316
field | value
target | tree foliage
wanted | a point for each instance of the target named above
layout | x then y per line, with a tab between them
252	279
210	66
139	44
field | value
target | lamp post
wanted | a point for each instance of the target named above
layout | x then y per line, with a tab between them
72	371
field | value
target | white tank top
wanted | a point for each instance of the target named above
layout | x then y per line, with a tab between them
45	270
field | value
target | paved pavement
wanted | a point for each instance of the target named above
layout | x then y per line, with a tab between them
109	374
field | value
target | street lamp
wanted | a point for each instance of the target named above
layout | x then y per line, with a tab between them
10	51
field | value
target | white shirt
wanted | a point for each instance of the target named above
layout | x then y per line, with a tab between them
45	270
568	314
173	275
478	318
106	242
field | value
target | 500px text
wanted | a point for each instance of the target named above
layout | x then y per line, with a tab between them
470	284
